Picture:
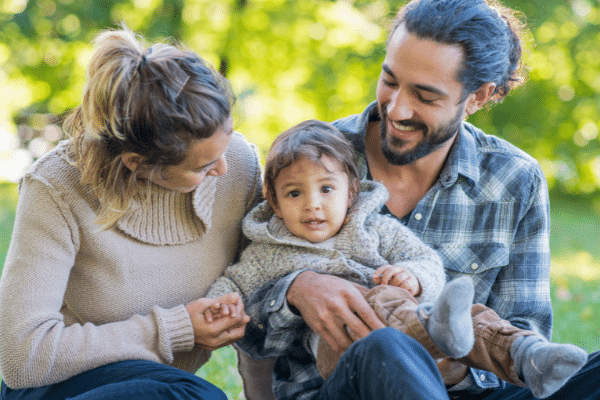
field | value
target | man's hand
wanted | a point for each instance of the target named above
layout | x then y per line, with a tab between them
333	307
397	276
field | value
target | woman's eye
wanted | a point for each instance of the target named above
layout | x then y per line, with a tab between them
294	193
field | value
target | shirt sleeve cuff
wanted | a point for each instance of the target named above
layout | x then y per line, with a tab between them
282	314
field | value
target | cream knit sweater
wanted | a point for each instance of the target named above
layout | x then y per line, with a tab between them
74	297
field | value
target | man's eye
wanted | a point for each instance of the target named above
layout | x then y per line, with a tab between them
388	83
425	100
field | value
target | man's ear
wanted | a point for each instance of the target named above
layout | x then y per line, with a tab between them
478	99
131	160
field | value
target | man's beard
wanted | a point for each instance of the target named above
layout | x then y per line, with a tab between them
431	140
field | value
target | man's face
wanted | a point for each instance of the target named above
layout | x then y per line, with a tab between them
419	97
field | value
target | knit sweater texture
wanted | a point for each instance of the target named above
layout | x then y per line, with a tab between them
74	297
368	241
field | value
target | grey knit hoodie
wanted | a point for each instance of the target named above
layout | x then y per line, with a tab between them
368	241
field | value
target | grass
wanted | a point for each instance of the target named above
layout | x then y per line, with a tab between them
575	273
221	371
8	199
575	278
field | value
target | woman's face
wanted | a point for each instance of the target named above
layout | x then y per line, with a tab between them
205	157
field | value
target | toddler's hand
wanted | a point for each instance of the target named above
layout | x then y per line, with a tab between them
216	311
397	276
222	331
227	305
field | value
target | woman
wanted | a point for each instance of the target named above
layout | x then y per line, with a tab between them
121	230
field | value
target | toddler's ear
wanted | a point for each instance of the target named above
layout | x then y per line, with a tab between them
276	209
347	219
353	192
268	196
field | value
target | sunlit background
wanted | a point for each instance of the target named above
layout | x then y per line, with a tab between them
290	61
293	60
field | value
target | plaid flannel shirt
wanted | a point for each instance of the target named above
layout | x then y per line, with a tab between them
488	218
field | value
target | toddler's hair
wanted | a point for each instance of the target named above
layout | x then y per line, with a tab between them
310	139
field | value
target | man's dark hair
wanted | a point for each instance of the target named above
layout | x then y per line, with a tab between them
488	33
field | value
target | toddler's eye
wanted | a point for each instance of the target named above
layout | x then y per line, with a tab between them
326	189
294	193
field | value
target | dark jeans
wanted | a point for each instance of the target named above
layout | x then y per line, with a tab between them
582	386
387	364
124	380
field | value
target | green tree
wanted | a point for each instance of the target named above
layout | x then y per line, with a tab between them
293	60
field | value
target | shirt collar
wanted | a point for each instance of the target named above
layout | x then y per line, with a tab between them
462	158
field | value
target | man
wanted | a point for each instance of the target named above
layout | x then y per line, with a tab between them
479	201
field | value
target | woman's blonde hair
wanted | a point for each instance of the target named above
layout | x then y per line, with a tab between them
150	101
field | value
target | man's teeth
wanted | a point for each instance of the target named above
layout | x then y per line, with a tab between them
405	128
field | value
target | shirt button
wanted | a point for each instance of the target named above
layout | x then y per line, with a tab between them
418	216
474	266
272	303
482	377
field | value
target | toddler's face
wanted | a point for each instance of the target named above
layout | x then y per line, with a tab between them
313	200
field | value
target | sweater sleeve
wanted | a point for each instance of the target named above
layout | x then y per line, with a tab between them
37	347
404	249
259	264
224	285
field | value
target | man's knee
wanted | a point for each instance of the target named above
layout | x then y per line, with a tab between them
385	341
389	348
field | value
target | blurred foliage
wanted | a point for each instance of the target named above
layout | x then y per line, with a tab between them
293	60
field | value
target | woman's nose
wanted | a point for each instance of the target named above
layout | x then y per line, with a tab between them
219	168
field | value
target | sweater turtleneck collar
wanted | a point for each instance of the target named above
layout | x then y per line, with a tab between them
161	216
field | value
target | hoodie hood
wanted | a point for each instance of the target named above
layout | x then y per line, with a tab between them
262	225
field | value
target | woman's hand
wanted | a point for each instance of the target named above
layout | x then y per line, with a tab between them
220	332
397	276
333	307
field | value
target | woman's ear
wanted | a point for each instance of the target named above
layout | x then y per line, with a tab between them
131	160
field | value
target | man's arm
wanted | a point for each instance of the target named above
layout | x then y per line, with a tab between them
333	307
521	291
327	303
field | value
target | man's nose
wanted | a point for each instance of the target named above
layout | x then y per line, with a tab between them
400	107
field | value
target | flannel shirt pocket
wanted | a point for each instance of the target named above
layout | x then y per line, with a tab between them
480	261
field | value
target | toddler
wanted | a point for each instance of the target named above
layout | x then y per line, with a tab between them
318	216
